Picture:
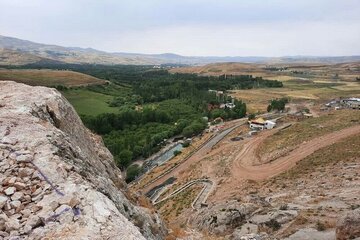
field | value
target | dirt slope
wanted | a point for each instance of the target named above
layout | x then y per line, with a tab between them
243	165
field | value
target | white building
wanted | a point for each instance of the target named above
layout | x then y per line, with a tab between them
261	124
227	105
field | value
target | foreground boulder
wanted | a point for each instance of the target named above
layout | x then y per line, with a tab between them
57	178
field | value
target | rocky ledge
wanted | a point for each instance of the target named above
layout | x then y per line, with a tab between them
57	178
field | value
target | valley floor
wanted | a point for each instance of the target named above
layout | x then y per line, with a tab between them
288	187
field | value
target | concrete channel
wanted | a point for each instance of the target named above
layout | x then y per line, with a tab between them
200	200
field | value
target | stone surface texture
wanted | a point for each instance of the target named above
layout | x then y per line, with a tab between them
58	181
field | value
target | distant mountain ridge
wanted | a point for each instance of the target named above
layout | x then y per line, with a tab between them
14	51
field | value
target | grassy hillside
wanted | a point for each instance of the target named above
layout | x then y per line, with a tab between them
49	77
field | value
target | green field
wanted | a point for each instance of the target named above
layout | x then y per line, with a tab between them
88	102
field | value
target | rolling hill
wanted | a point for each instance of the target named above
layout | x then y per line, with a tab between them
14	51
49	77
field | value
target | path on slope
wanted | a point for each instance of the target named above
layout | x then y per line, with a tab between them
243	169
200	198
197	156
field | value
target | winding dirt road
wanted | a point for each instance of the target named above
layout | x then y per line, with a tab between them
199	154
243	164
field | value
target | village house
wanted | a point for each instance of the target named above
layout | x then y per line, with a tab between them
227	105
261	124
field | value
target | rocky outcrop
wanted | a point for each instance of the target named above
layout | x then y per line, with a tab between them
222	219
312	234
57	178
348	226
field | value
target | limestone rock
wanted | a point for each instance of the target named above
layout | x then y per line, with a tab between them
19	186
247	228
312	234
10	191
281	216
15	204
3	200
33	221
222	218
251	236
348	227
57	178
17	196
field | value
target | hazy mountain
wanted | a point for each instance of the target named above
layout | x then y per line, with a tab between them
14	51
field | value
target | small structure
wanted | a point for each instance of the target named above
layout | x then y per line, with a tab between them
353	102
227	105
261	124
218	93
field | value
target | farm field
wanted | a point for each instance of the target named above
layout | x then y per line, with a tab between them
88	102
89	95
268	164
49	77
302	82
258	99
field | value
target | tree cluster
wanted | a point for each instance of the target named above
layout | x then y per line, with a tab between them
277	104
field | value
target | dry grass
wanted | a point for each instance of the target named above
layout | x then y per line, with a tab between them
346	150
223	68
309	129
301	82
172	208
258	99
49	77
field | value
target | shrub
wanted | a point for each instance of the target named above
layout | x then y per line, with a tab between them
186	144
176	152
277	104
251	116
123	159
273	224
132	172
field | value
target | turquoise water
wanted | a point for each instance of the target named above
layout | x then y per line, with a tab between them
168	154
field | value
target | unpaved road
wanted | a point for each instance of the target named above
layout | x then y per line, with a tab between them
201	153
197	156
243	164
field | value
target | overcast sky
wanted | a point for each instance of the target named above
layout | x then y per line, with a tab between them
190	27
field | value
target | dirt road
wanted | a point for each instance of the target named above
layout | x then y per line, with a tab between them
243	164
